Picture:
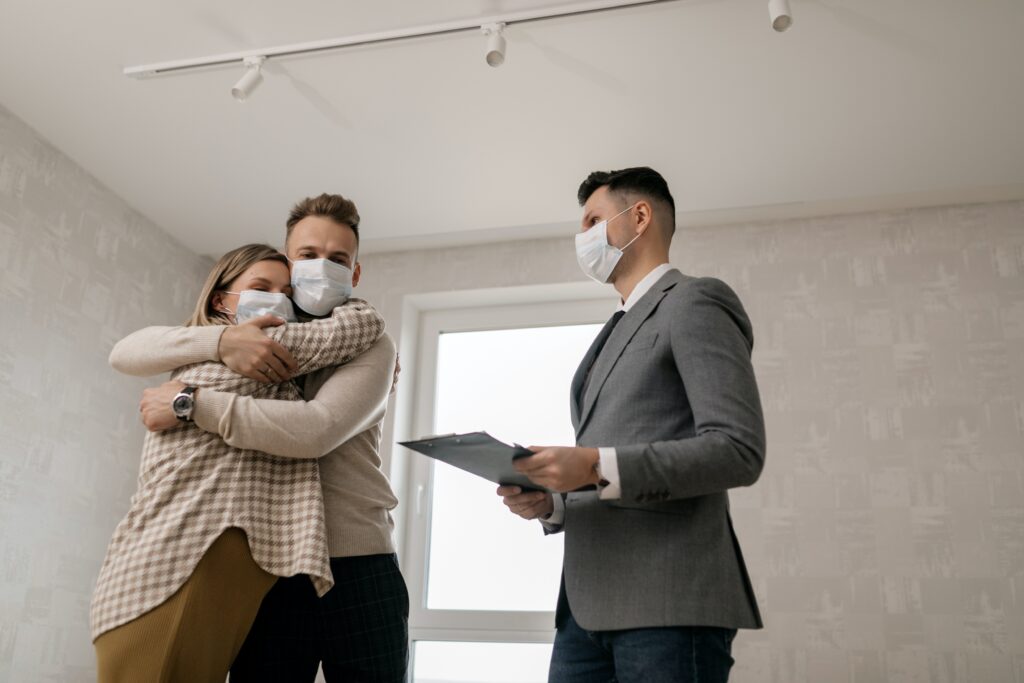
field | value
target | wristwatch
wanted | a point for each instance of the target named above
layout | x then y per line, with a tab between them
183	404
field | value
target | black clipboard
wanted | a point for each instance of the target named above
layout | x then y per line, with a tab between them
478	453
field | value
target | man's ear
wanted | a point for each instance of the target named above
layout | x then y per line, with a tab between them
356	272
644	216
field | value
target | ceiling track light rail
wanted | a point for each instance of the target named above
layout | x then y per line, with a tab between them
492	28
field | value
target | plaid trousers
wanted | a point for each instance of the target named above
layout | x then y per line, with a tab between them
359	629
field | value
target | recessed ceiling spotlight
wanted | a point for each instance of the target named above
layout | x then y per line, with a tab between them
250	80
495	54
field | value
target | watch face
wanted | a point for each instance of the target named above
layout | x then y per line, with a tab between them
181	404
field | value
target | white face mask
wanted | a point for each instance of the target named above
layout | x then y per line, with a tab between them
320	285
596	256
253	303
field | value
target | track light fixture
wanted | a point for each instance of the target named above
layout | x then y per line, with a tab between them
782	17
495	33
250	80
492	27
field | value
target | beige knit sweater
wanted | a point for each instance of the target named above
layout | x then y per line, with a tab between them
192	486
339	423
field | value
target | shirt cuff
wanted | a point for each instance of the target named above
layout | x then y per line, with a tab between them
557	515
610	473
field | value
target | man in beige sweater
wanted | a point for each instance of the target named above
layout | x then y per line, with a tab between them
359	629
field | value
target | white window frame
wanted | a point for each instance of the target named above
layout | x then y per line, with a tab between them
426	317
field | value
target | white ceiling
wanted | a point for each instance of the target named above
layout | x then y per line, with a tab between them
862	104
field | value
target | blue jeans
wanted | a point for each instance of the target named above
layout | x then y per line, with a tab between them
682	654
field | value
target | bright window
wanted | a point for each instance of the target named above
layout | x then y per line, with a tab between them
513	384
483	583
450	662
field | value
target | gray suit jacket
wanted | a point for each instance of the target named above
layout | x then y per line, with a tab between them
674	392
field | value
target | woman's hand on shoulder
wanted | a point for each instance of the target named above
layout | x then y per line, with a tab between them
247	350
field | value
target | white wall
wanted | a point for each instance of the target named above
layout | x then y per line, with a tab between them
78	270
886	536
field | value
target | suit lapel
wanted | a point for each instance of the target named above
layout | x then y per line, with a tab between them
613	349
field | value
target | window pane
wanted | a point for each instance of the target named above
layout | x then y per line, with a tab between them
513	384
443	662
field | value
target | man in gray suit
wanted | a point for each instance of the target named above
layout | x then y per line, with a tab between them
667	418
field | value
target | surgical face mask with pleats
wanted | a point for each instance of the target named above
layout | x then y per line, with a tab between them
596	256
320	285
253	303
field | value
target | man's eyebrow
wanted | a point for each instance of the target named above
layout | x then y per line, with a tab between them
313	248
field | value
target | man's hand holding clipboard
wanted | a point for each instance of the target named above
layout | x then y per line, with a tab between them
558	468
561	468
478	453
526	476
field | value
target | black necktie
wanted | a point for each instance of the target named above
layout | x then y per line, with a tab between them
602	339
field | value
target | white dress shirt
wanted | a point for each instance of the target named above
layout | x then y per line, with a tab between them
608	457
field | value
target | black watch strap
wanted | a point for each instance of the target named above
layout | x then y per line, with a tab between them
187	416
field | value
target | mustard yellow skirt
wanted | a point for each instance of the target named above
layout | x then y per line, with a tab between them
195	635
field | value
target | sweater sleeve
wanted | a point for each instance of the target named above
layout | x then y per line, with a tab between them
352	399
351	329
155	350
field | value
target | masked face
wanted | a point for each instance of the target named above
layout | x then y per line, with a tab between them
595	254
324	266
319	285
253	303
262	288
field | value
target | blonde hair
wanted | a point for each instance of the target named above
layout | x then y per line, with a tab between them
230	266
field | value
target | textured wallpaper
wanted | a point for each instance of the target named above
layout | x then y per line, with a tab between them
886	536
78	270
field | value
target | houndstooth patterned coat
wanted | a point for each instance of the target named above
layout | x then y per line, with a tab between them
193	486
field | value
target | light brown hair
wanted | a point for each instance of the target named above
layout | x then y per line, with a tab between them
333	206
230	266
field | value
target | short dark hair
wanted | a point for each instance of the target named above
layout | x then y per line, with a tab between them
333	206
640	180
